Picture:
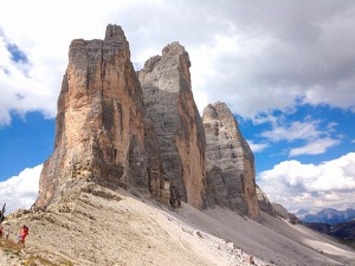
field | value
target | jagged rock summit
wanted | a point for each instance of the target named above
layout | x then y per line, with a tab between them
170	106
119	128
100	123
229	162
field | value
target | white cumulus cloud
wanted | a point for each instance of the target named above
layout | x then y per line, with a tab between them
318	146
255	56
20	191
294	131
296	185
317	137
257	147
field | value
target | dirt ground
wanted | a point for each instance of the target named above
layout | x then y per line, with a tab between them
98	226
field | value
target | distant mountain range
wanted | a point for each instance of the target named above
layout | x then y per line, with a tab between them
344	231
328	216
338	224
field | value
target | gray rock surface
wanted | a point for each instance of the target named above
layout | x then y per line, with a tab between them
280	210
170	106
264	202
229	163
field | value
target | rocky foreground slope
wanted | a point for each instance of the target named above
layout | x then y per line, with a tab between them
94	225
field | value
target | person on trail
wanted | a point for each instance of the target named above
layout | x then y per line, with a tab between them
22	235
4	232
2	213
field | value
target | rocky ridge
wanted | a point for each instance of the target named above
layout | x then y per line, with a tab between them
101	134
264	203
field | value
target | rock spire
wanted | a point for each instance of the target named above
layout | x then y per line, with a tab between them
229	162
170	105
100	124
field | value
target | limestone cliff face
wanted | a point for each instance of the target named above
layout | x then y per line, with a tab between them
229	162
115	128
100	130
170	105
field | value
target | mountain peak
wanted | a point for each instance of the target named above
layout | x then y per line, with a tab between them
170	105
114	32
230	170
100	128
174	48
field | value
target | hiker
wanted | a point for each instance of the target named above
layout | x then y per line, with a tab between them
2	213
22	235
4	232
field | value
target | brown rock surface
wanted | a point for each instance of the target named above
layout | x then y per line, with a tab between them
100	124
229	162
170	105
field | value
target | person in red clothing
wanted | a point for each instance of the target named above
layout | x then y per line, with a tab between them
22	235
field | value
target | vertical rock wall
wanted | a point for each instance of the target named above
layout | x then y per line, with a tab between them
229	163
100	124
170	105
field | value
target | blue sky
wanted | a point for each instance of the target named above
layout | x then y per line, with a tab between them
285	68
26	142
